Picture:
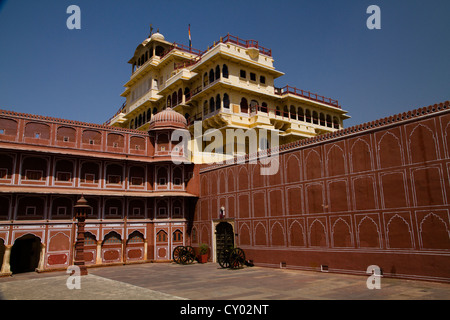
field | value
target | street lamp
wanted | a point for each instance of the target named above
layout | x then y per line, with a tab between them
81	210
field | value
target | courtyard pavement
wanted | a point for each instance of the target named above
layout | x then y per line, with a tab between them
163	281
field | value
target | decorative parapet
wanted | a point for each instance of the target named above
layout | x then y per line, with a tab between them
339	134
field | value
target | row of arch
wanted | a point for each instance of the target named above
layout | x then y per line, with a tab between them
67	135
25	207
34	168
214	74
145	56
433	233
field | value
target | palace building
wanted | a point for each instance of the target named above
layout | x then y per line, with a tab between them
342	199
228	86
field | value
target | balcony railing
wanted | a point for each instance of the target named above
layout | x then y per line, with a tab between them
246	44
308	95
182	47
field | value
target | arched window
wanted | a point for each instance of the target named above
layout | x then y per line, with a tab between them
155	111
169	101
139	120
205	108
253	105
161	236
218	102
329	123
277	111
226	101
285	111
308	116
244	105
225	71
322	119
301	115
149	115
132	124
89	239
211	104
293	112
211	76
174	98
112	237
335	123
264	107
315	117
177	236
205	79
180	97
143	117
135	237
217	72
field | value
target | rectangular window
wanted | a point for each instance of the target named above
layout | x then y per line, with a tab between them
136	181
91	141
243	74
89	178
63	176
162	181
2	131
37	135
136	211
113	211
162	211
177	181
66	139
177	211
252	76
262	79
33	174
114	179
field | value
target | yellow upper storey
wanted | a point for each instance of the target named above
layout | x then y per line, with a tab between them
229	85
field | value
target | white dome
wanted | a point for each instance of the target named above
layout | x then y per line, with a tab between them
157	36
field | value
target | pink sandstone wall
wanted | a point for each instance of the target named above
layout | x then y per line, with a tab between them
374	194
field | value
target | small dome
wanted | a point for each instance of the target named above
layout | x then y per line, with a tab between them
167	119
157	36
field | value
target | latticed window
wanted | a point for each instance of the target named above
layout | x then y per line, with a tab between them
161	236
136	238
112	238
177	236
89	239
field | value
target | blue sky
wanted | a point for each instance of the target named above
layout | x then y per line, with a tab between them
323	46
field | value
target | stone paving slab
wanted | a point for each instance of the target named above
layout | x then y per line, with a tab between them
209	282
92	287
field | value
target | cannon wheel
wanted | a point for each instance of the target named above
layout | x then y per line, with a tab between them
178	254
237	258
224	258
189	255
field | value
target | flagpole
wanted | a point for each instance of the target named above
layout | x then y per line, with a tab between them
189	31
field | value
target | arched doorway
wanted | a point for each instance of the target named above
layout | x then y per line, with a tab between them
25	254
224	236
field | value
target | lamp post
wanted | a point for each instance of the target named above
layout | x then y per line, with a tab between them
81	210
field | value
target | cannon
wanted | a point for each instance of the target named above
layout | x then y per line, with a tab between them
183	254
233	258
